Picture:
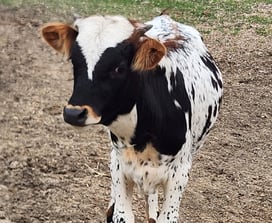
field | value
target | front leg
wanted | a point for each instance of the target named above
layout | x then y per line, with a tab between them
120	208
173	190
152	207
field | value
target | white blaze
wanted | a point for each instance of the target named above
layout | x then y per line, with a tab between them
97	33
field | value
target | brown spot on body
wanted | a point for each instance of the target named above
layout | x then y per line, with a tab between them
148	155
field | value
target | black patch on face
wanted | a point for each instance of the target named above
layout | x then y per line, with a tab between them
209	62
119	85
114	87
159	120
82	85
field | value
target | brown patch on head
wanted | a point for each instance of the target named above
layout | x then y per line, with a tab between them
174	43
149	51
59	36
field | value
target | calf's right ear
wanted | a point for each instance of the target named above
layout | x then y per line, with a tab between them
60	36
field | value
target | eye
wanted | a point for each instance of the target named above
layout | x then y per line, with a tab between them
119	70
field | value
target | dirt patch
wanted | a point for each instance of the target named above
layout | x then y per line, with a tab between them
52	172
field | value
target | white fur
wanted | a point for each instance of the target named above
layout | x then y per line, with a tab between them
97	33
124	126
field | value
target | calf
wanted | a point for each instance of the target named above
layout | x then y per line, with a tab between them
157	89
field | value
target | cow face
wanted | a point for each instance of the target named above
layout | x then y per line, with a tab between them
107	53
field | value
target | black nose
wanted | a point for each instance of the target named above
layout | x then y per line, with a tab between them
74	116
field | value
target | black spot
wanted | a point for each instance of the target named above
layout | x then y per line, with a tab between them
110	214
215	110
214	83
113	137
159	157
172	80
141	146
207	124
193	92
180	188
168	216
209	62
219	103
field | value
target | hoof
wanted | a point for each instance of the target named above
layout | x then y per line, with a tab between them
110	214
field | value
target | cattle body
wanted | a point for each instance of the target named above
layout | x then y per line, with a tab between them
158	90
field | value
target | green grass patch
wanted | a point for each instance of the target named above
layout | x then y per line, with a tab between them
232	15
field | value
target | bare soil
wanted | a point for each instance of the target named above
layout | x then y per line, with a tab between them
52	172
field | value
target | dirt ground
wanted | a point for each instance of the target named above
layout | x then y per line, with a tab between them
52	172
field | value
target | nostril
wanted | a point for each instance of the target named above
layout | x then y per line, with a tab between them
75	116
83	114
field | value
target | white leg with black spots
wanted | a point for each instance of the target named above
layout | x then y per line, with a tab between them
152	206
173	190
121	193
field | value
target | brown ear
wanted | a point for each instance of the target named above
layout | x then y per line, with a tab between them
148	55
59	36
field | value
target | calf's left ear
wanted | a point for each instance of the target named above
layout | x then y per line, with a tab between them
60	36
148	55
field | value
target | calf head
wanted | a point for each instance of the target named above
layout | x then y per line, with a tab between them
108	54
